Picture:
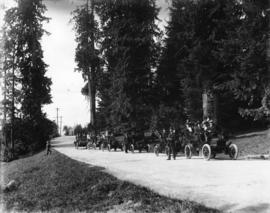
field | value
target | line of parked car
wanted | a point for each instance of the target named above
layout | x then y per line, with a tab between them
192	140
141	142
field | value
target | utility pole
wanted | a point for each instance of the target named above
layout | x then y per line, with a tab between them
61	125
57	109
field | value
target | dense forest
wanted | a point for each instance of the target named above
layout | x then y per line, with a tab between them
211	61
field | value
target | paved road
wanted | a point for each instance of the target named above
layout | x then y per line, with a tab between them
231	186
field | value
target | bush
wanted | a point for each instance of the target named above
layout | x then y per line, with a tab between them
29	136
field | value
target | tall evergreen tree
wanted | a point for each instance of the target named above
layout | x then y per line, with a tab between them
203	51
170	97
11	73
212	19
35	85
11	76
130	51
87	55
27	88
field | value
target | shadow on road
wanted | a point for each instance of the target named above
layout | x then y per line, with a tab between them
61	145
263	207
63	142
227	207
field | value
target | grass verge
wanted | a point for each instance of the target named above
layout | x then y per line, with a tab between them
57	183
253	143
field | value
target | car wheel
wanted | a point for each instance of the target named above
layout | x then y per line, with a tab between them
188	151
233	151
206	151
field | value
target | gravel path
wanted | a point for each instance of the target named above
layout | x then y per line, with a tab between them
231	186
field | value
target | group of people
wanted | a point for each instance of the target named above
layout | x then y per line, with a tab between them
171	138
194	131
204	130
129	141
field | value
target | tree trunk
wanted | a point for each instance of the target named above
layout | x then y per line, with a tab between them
5	104
12	107
92	98
91	76
210	105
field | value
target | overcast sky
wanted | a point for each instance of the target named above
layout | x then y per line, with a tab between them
59	51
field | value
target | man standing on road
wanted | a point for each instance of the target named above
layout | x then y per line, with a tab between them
48	146
171	144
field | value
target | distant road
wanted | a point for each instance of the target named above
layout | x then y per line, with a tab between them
231	186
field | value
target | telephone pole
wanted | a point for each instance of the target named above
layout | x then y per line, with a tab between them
61	125
57	109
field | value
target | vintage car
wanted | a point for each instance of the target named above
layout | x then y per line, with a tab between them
143	141
219	144
116	141
81	141
209	142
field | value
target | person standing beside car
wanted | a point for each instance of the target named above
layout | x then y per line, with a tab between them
126	142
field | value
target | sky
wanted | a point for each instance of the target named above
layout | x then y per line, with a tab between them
59	53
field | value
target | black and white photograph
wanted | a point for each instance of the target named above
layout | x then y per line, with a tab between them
135	106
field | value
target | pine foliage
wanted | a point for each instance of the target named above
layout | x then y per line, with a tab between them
27	87
129	28
35	85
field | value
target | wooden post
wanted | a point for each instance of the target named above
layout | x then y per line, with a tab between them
57	124
61	125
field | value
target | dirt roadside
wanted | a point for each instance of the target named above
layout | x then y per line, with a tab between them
231	186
